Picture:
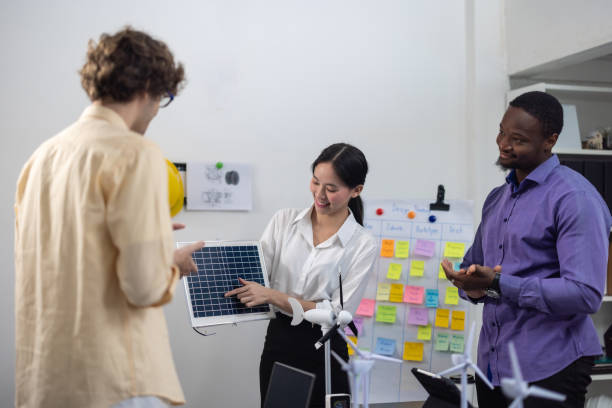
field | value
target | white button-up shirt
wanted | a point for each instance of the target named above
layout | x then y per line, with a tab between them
298	268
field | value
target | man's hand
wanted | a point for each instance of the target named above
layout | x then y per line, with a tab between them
176	226
474	280
251	293
183	260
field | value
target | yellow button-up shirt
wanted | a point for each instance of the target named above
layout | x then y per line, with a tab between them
93	265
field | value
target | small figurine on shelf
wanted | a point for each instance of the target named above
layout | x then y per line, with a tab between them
595	140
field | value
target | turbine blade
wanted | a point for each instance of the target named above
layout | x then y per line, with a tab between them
297	311
341	297
450	370
326	336
517	403
468	349
516	369
544	393
345	366
482	376
353	328
351	344
385	358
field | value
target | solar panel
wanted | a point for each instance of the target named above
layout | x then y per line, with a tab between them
220	264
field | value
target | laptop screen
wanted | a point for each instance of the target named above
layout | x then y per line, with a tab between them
289	387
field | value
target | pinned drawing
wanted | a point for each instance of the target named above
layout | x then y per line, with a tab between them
219	187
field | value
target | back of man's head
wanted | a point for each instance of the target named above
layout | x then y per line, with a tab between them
123	65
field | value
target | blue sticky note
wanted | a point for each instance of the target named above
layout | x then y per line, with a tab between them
457	266
431	297
385	347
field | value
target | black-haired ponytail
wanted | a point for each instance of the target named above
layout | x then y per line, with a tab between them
351	166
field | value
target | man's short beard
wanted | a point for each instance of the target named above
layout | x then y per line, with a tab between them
501	166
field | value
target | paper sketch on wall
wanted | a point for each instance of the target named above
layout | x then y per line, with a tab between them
219	186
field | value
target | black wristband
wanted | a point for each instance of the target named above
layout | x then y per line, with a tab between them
495	283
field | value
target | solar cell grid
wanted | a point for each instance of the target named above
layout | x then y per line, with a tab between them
219	268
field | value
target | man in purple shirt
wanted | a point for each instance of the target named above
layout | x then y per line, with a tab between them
538	261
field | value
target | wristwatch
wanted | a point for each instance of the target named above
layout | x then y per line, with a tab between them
494	291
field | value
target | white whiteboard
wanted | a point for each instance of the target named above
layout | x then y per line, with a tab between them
391	382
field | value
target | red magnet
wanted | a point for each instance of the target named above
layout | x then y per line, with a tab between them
379	211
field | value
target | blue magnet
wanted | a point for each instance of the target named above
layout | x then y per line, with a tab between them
432	218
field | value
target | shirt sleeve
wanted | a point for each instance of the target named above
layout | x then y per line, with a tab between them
582	249
138	219
473	256
269	240
355	279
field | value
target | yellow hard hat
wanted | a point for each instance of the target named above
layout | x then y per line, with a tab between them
176	191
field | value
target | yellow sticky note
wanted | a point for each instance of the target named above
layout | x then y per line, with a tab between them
413	351
454	250
424	333
397	293
441	274
395	271
452	296
442	317
386	248
458	320
417	268
386	314
383	291
350	349
402	249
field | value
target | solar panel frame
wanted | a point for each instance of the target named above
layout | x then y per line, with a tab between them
206	289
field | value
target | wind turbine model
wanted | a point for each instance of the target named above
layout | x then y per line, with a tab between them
518	389
329	320
358	367
463	362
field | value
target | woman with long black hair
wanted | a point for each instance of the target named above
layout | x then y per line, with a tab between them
304	251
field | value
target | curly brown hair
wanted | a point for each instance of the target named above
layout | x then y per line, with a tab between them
124	64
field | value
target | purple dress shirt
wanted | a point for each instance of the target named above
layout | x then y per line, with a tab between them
550	235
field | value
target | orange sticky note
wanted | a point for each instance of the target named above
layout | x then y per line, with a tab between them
442	316
397	293
458	320
386	249
413	351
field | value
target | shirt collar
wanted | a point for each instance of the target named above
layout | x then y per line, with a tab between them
343	234
104	113
537	176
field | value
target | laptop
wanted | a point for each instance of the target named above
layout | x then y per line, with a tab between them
443	393
289	387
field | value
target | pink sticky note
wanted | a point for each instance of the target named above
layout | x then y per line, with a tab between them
424	248
418	316
358	323
414	294
366	307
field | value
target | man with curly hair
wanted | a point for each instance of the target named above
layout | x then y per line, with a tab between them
94	253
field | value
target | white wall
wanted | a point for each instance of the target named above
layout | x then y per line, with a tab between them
544	33
418	86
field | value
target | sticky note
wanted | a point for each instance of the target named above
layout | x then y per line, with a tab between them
442	342
457	265
418	315
402	249
414	294
358	324
458	320
397	293
417	268
385	314
386	248
431	298
413	351
383	291
350	349
454	250
442	317
366	307
395	271
386	347
456	343
452	295
424	333
441	274
424	248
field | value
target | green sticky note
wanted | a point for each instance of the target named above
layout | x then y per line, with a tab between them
424	333
386	314
452	295
402	249
395	271
417	268
442	341
456	343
